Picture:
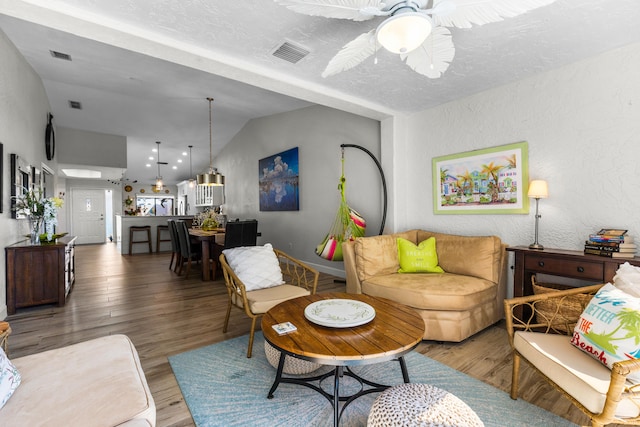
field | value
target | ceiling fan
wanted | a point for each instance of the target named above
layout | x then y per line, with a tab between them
414	29
122	179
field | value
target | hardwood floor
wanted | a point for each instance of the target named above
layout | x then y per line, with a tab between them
165	314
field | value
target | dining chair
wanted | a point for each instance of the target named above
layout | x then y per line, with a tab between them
237	233
188	252
240	233
175	245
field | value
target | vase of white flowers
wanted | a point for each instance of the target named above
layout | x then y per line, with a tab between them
40	211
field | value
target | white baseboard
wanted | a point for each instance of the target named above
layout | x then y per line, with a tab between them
339	272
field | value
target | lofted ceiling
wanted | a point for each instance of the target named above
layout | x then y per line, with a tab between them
144	68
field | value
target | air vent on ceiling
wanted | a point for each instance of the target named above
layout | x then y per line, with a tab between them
76	105
290	52
60	55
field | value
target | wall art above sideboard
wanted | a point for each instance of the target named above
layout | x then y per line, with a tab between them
22	178
26	177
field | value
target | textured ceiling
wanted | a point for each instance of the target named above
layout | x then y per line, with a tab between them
143	68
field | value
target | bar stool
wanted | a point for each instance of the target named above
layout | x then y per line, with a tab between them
138	228
159	239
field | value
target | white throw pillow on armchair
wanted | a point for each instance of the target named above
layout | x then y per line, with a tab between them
627	279
256	266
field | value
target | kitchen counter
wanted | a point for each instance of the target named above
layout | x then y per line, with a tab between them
124	222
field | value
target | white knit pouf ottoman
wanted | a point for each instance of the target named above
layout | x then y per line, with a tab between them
421	405
292	365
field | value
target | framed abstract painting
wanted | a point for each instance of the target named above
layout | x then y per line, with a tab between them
279	186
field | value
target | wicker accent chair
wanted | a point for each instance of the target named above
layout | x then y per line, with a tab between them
5	331
539	329
300	280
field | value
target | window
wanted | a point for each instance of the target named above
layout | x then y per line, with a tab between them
155	205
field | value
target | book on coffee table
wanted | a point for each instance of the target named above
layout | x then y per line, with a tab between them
284	328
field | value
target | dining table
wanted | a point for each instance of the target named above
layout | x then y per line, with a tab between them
208	239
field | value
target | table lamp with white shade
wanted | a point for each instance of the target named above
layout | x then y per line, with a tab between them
538	190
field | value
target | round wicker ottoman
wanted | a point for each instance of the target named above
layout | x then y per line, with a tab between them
292	365
420	405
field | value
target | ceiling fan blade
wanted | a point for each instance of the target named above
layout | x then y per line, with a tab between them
356	10
433	57
352	54
465	13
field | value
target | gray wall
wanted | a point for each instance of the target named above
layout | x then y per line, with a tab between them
23	119
91	148
318	132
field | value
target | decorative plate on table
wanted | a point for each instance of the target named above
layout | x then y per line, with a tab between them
339	313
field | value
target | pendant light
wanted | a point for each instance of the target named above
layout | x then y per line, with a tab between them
159	184
213	177
192	182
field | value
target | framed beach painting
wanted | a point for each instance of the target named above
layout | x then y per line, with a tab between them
487	181
279	190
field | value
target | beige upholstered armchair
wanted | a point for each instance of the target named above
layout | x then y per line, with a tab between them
299	280
540	328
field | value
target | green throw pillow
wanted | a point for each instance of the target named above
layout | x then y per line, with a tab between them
418	259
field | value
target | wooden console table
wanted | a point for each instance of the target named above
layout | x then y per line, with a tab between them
563	263
39	274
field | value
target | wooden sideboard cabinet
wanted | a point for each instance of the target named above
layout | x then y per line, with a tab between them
563	263
39	274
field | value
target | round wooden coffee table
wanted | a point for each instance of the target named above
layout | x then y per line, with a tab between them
394	331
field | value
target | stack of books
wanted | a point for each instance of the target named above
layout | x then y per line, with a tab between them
612	243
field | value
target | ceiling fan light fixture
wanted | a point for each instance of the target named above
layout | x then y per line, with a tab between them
404	32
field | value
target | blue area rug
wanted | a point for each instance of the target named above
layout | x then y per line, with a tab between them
224	388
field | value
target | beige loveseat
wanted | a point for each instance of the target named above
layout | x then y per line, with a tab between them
456	304
94	383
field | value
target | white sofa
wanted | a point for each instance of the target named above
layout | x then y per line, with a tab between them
94	383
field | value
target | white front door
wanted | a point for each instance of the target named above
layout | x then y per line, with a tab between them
87	217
